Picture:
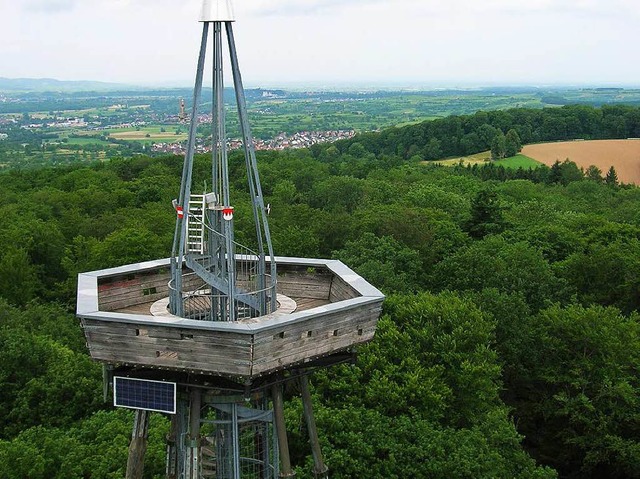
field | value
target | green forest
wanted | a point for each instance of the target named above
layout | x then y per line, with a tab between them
510	339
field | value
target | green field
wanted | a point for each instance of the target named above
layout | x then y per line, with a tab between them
515	162
149	133
519	161
89	140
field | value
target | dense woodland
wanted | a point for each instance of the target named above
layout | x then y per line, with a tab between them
510	340
465	135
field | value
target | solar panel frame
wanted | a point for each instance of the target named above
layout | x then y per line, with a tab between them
144	394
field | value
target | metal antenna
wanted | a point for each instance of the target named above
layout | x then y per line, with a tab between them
223	280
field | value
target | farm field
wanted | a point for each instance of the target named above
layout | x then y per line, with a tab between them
517	161
623	155
89	140
150	133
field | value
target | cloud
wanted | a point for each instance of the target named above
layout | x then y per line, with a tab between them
575	7
330	40
305	7
400	8
50	6
452	7
64	6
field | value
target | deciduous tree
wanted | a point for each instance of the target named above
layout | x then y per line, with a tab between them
498	146
512	143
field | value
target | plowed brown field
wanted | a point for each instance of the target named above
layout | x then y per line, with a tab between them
623	155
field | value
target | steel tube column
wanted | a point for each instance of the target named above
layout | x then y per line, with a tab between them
235	441
178	249
255	188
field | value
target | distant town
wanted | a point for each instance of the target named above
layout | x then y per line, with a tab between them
303	139
43	127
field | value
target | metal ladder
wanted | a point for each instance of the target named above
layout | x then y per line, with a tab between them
195	224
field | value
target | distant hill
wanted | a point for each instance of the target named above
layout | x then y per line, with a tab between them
50	84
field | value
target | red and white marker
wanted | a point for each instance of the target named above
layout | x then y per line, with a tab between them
227	213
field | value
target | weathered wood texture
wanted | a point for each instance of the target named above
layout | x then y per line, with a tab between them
145	287
300	283
314	337
311	283
341	290
303	304
229	353
184	349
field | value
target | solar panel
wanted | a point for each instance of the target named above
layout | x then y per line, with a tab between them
144	394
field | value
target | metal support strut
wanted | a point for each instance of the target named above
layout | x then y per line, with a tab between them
227	294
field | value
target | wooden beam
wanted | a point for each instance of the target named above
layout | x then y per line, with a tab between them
320	470
138	445
281	430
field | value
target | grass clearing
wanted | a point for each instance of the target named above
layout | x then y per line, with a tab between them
519	161
484	158
477	159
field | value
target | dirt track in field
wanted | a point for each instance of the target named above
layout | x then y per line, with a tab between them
623	155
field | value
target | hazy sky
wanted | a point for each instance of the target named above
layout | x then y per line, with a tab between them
330	42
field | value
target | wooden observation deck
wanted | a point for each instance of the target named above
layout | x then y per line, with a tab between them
323	308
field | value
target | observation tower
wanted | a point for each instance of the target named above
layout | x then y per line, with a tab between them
211	334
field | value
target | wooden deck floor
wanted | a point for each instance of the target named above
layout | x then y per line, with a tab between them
307	303
303	304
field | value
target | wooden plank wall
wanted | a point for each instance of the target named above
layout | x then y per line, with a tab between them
313	338
303	282
139	288
341	290
147	287
223	353
227	353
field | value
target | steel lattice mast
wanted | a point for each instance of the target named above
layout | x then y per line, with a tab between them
235	283
220	378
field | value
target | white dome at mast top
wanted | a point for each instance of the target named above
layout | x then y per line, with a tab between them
217	11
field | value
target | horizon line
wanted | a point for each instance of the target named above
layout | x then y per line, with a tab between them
345	85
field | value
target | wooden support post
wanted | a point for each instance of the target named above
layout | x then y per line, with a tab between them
138	445
172	448
192	466
281	430
194	415
320	470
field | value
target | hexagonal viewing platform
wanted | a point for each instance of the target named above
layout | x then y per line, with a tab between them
323	308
